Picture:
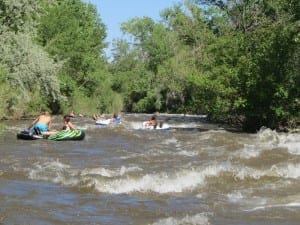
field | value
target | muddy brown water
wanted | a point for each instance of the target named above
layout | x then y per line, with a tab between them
194	173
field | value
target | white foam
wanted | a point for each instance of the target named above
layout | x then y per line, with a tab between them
293	204
54	171
133	179
161	183
249	151
172	140
58	172
287	171
245	172
245	197
198	219
263	207
187	153
235	196
267	135
270	138
108	172
291	142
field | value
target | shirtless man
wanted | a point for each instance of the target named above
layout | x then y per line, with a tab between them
42	123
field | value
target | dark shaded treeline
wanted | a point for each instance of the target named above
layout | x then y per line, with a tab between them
236	61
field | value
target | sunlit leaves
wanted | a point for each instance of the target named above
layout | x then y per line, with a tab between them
28	65
18	15
73	32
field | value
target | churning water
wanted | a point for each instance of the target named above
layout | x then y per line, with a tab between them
194	173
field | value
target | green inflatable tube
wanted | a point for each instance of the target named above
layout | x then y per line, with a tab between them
68	135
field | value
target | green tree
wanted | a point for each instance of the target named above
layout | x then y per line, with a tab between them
72	32
130	78
18	15
187	75
267	86
30	70
137	65
6	93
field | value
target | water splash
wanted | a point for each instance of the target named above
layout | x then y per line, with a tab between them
198	219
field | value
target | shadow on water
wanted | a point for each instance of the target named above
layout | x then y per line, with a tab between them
189	129
197	129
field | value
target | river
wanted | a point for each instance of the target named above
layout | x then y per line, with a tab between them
194	173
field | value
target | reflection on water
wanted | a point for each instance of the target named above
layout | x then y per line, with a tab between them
194	173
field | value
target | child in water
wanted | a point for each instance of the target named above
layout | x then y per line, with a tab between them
152	121
68	125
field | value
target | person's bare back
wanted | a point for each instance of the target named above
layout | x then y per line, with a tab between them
43	122
45	119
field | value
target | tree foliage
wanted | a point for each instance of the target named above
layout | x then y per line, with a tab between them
236	61
233	60
73	32
28	68
18	15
